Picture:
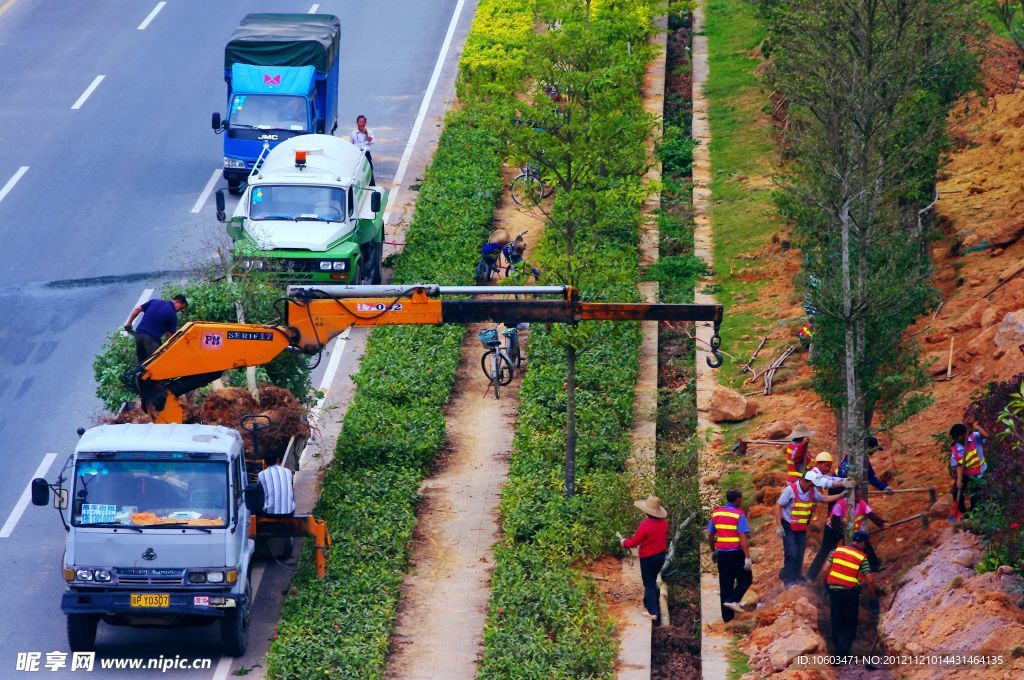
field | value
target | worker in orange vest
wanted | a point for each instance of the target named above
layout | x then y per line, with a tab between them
792	518
727	535
848	571
967	464
832	534
796	452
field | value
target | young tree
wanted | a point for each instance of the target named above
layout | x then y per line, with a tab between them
869	83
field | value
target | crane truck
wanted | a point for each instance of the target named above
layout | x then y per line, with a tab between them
309	214
162	521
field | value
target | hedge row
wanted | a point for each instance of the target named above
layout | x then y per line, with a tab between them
546	619
395	425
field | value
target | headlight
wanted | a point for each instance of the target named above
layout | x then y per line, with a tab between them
102	575
215	577
325	266
197	577
83	575
339	265
234	163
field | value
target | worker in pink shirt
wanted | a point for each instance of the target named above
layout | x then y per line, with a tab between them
652	538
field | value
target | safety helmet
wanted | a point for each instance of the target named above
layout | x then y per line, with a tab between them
824	457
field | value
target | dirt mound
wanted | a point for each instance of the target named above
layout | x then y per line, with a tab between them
786	629
944	607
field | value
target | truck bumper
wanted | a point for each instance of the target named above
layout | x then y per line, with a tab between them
193	604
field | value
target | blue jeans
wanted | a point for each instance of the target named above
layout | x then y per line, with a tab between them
650	566
794	543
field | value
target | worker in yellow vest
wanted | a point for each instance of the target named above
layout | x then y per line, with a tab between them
967	464
796	452
848	571
727	534
792	518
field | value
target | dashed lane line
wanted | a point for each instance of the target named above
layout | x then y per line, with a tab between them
12	181
88	91
210	183
151	16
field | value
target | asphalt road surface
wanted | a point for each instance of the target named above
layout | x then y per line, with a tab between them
106	167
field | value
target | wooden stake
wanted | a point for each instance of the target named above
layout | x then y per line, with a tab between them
949	362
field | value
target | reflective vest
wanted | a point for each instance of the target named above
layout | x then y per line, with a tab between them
792	473
845	571
727	522
858	520
805	332
800	514
972	457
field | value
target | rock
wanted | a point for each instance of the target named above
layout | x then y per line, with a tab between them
742	626
730	406
978	374
940	508
936	362
777	430
1005	569
785	649
1011	330
996	252
934	338
990	317
1008	233
999	354
805	609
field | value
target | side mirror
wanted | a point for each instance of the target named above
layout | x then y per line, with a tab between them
215	122
318	126
40	491
375	201
254	498
60	499
219	199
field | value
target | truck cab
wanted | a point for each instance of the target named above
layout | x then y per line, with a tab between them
282	76
310	215
157	531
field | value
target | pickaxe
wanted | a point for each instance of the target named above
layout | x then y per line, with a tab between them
931	492
923	516
740	447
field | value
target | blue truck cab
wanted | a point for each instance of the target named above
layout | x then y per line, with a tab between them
281	72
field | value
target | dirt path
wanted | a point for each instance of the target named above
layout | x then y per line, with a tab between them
444	598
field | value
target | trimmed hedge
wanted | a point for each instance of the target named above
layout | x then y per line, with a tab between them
395	425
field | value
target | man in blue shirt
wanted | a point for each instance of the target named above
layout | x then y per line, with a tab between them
160	317
727	534
873	446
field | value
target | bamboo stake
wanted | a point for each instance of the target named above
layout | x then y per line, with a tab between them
949	362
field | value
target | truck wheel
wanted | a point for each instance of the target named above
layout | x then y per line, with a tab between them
82	632
234	188
234	627
378	254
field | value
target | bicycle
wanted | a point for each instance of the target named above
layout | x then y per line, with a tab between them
528	187
499	363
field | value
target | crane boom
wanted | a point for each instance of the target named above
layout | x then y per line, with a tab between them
201	350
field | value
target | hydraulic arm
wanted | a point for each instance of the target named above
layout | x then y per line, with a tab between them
200	351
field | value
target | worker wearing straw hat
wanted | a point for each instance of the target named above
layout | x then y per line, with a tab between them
652	538
796	452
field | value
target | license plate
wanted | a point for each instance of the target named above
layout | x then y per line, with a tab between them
151	600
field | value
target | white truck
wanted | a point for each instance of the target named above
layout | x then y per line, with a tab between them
309	214
157	530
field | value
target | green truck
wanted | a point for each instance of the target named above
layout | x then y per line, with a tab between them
309	214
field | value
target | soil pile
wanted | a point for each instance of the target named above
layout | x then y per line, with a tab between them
286	415
786	629
944	607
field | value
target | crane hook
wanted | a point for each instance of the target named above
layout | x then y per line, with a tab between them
716	342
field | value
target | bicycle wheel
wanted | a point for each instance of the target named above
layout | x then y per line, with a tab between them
505	370
515	357
526	190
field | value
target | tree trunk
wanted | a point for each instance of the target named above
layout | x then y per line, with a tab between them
570	422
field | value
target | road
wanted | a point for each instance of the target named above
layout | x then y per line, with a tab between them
106	150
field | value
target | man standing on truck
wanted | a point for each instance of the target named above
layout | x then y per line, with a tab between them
276	480
160	317
363	139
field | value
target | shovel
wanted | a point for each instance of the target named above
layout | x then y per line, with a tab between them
923	516
931	492
740	447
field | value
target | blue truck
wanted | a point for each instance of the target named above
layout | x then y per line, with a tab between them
282	80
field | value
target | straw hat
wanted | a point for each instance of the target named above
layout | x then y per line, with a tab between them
652	506
799	432
499	235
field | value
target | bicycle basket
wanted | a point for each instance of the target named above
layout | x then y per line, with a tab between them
489	337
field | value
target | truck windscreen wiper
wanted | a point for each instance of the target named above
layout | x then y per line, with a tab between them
111	525
175	525
314	218
241	125
276	217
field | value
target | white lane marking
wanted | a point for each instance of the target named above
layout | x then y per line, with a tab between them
12	181
224	664
146	294
210	183
26	496
424	105
88	91
314	9
151	16
336	349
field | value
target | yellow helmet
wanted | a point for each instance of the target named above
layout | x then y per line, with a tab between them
824	457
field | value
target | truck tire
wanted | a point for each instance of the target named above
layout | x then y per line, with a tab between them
234	627
82	632
235	188
378	254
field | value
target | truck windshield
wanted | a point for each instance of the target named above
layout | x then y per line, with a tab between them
140	493
270	112
293	202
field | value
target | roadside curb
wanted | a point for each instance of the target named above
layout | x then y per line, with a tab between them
713	646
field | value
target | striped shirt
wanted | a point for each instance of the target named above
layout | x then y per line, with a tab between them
277	490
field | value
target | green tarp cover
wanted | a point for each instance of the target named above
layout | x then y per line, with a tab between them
285	40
